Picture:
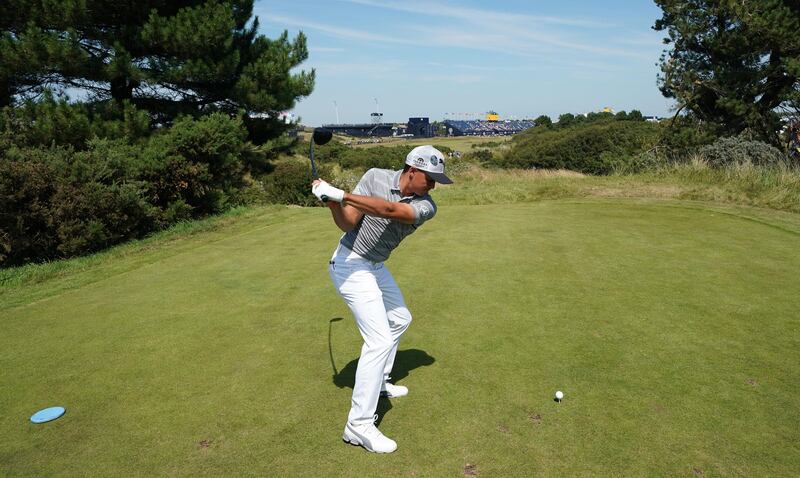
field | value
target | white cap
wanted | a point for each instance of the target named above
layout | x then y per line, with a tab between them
431	160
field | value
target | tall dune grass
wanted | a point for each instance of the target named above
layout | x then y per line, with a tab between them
774	187
771	186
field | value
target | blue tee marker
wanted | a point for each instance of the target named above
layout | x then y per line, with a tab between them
48	414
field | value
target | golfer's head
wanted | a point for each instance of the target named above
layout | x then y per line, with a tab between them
419	182
429	161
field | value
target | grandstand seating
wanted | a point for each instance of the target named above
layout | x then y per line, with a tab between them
488	128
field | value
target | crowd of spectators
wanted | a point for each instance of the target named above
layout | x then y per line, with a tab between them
488	128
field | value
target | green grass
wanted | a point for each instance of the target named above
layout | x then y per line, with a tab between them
671	326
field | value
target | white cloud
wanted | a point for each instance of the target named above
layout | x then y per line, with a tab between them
483	31
478	16
340	32
512	33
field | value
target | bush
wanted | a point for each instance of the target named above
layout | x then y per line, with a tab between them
487	144
290	183
59	201
203	161
382	157
92	216
681	137
56	205
597	147
481	156
26	188
738	150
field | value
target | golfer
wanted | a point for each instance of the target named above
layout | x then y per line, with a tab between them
384	208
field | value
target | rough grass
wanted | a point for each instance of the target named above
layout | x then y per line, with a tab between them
776	188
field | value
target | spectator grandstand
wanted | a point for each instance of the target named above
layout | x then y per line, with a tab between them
487	127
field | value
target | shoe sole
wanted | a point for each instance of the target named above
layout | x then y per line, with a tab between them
386	394
355	442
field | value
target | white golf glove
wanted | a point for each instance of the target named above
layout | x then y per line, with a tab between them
325	192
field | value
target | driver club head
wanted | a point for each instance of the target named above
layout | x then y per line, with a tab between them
322	135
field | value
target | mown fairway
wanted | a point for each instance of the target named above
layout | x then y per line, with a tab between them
672	329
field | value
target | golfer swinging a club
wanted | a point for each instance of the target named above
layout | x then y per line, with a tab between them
384	208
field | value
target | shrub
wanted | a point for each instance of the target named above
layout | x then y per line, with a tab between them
62	201
482	156
92	216
383	157
681	137
290	183
26	188
216	142
487	144
738	150
595	148
54	205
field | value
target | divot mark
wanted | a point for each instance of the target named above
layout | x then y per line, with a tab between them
502	428
752	382
699	472
535	418
470	471
205	444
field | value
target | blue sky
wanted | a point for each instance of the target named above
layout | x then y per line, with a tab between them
443	58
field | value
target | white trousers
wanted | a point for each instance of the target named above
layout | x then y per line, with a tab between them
381	315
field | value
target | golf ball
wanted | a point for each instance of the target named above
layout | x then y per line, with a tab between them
559	395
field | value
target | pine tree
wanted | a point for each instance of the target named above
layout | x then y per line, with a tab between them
735	63
168	57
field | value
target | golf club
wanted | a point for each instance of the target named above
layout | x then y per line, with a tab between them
319	136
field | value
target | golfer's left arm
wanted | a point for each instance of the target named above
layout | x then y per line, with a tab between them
345	217
373	206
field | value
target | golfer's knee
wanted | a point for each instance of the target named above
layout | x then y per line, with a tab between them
400	317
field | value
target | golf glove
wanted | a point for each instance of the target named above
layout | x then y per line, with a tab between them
325	192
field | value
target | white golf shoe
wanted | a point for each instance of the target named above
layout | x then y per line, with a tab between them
369	437
393	391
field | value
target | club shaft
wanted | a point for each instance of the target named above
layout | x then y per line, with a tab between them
313	163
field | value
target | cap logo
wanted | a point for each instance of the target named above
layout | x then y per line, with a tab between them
434	160
418	161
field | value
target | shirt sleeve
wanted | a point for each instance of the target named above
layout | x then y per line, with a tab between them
424	209
363	187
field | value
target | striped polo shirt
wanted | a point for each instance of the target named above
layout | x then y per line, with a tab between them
374	238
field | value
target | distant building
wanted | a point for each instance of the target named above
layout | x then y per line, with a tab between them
420	127
363	129
416	127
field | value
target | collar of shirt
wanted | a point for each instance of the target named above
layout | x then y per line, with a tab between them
396	186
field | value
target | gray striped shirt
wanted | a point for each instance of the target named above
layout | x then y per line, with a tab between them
374	238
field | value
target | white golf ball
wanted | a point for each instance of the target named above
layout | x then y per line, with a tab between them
559	395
